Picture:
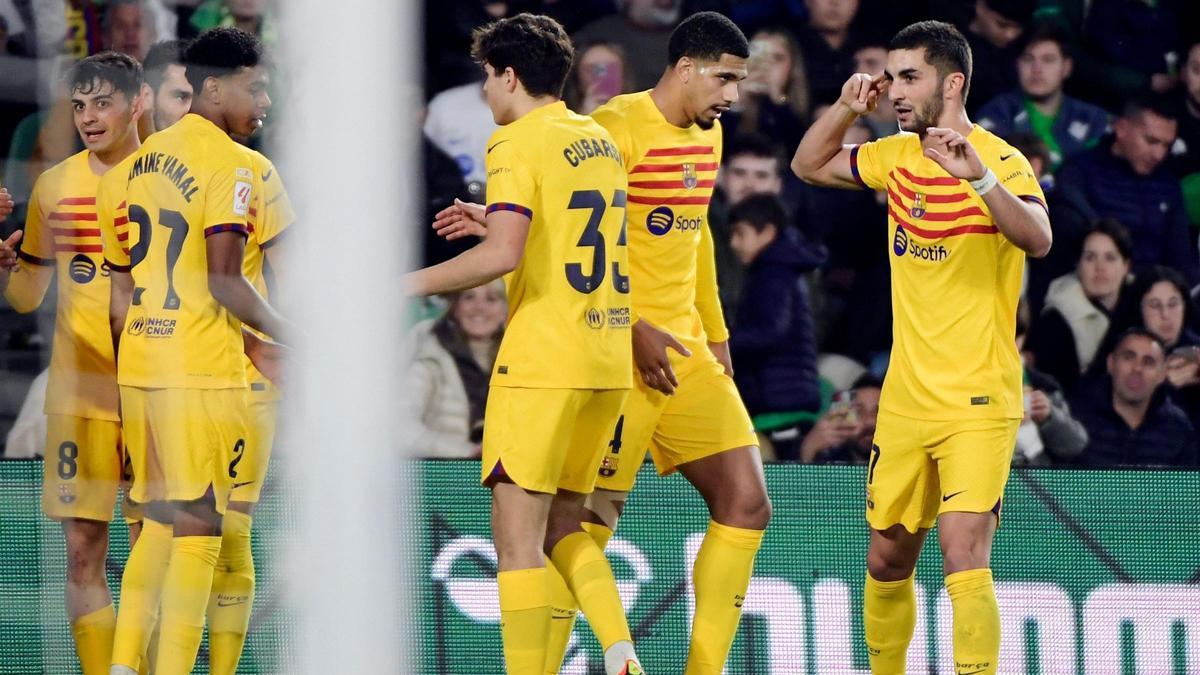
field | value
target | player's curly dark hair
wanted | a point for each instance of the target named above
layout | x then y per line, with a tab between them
121	71
219	52
706	36
535	46
945	48
163	54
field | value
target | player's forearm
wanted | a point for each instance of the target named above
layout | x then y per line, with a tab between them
236	294
822	142
472	268
25	287
1025	224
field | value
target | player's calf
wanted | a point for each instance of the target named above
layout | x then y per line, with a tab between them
87	585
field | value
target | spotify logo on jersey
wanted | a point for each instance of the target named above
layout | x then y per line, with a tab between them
659	221
900	243
82	269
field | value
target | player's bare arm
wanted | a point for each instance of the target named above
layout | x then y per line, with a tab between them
821	159
461	219
6	204
120	295
498	254
233	291
1025	224
8	258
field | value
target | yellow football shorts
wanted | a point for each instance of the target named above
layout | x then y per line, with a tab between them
705	416
546	439
182	442
248	469
83	467
920	469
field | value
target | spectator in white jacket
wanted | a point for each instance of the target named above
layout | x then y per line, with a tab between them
452	363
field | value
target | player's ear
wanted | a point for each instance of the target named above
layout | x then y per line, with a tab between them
141	102
212	89
953	84
510	79
685	67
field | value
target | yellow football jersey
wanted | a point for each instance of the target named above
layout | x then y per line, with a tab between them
672	173
61	230
270	214
187	182
955	281
568	299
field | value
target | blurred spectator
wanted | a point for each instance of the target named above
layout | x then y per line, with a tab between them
1124	178
1048	431
871	58
129	28
599	75
1164	306
843	435
994	35
753	15
1079	307
452	363
1130	47
443	184
1066	125
1185	159
252	16
774	97
642	30
751	165
1128	415
828	46
772	340
460	123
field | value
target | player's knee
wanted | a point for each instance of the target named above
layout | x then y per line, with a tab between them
87	546
749	509
963	553
890	563
559	527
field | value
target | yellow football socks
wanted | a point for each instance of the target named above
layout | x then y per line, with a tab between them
524	619
94	640
563	606
232	595
141	589
587	573
721	576
976	621
184	600
889	617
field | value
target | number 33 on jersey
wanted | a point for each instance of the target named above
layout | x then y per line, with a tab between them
187	183
568	299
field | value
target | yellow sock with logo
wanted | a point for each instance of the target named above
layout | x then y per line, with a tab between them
976	621
590	578
184	600
889	618
721	576
232	595
524	619
141	591
94	639
563	607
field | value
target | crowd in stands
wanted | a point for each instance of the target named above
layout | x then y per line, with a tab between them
1102	96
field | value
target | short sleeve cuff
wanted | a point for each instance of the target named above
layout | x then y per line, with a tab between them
854	167
227	227
1034	199
509	206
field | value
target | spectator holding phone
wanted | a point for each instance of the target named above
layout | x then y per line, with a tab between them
843	434
774	96
600	74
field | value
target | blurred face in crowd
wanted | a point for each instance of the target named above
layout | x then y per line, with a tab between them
710	88
103	116
1191	78
831	16
917	90
653	14
770	65
246	9
173	98
601	73
996	28
871	60
480	311
1163	312
747	174
748	242
1138	368
130	31
1102	269
1042	69
866	407
1144	140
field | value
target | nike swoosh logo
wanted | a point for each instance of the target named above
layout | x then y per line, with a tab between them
267	176
238	485
1002	158
948	498
497	143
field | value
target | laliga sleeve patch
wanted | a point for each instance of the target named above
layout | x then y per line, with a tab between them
241	198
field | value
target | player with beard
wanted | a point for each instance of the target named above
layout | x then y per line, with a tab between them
964	209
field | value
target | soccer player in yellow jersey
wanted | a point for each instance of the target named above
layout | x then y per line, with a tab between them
964	209
555	215
83	458
179	299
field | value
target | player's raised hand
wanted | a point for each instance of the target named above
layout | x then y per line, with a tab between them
460	219
650	346
6	203
861	92
8	251
954	153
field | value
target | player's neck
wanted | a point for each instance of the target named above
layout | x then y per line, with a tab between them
101	162
1134	414
209	112
956	119
669	100
524	105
